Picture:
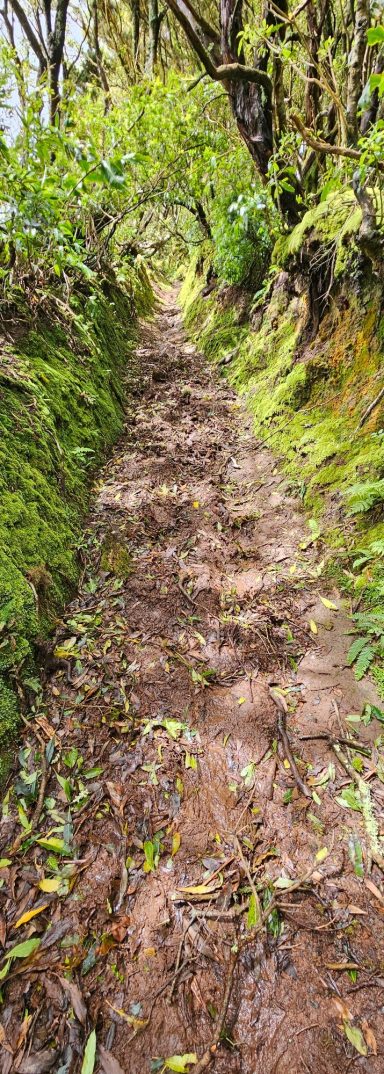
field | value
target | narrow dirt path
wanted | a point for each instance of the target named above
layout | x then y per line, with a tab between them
180	792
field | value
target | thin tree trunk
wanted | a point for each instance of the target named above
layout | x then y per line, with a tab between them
154	22
135	30
355	67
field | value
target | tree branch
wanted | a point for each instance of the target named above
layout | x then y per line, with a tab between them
324	147
224	72
29	33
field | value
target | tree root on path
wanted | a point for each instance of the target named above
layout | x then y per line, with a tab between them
281	705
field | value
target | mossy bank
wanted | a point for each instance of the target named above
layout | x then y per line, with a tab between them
307	354
64	384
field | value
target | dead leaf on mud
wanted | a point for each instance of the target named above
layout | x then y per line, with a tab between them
76	999
369	1036
38	1063
108	1063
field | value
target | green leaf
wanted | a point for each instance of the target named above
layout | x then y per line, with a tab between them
377	713
254	914
180	1063
364	661
355	1036
375	36
149	854
349	799
23	950
88	1065
57	845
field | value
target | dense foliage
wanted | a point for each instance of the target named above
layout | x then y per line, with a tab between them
123	138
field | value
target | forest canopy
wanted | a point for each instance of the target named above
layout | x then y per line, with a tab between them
154	127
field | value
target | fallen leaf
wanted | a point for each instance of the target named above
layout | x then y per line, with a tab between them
241	700
342	1009
355	1036
201	889
342	965
23	950
88	1064
356	910
49	884
39	1062
374	890
180	1063
23	1033
176	840
313	626
369	1036
76	999
108	1063
329	604
29	915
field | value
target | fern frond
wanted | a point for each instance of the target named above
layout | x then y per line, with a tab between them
364	661
355	649
364	495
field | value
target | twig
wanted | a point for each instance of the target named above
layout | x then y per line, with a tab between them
352	743
282	729
371	407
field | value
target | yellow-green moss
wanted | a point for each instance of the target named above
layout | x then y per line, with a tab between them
308	397
62	391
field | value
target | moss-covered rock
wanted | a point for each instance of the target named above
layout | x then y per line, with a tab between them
62	391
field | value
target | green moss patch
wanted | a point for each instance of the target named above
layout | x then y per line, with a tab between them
62	391
307	395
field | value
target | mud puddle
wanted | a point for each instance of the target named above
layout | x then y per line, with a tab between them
188	854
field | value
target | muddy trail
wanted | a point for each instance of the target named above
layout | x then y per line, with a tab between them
191	840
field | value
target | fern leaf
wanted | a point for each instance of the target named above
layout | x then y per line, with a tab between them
355	649
364	661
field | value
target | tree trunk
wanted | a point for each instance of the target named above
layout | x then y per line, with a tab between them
56	39
251	103
135	30
355	67
154	22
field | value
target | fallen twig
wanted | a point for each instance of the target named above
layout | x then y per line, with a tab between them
281	705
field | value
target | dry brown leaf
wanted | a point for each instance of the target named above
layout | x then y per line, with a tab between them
38	1063
369	1036
374	890
356	910
76	999
342	1009
108	1063
23	1031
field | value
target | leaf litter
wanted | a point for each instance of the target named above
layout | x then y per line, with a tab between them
191	843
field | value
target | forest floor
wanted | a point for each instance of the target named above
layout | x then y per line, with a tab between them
198	878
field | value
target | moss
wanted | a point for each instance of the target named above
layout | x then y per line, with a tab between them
333	220
116	558
62	392
307	397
